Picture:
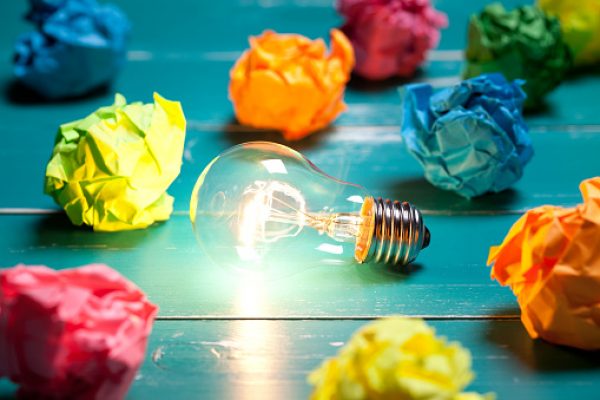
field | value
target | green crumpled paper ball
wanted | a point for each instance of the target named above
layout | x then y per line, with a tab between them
111	169
524	43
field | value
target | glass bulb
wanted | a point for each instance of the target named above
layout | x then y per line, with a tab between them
262	205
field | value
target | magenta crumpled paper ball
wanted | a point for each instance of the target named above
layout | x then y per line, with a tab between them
73	334
390	37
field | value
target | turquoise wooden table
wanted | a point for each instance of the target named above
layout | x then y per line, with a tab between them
218	336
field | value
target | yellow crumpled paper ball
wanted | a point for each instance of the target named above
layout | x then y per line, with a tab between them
111	169
580	24
396	358
290	83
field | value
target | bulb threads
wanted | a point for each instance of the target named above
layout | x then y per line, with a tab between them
399	233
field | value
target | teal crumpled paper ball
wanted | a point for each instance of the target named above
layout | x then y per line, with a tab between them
470	138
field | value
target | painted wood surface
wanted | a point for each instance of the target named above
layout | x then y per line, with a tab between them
271	360
198	49
373	157
165	261
220	336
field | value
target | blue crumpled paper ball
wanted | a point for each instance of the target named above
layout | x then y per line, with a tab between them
41	10
470	138
79	46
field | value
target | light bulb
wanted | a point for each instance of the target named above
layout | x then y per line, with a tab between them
262	205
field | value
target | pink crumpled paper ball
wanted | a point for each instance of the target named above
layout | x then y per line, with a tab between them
390	37
73	334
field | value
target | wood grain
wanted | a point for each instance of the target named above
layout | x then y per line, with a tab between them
450	278
374	157
220	336
271	360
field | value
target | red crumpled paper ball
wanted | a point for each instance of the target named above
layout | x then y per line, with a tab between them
390	37
73	334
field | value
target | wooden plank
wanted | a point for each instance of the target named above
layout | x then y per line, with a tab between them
313	18
450	279
205	97
204	94
373	157
193	25
271	359
568	105
201	54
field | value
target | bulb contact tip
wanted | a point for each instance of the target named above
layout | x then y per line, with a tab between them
426	239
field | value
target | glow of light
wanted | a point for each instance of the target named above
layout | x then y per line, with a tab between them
250	300
255	364
254	212
270	211
356	199
247	253
330	248
274	166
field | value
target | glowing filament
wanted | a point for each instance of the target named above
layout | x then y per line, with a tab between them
274	210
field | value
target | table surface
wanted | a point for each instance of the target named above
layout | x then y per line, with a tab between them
218	336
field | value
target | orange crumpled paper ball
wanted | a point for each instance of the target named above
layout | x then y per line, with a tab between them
290	83
551	260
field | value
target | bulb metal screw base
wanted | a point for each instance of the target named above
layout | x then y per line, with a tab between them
399	233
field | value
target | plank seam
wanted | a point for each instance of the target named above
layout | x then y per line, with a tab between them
200	126
183	213
29	211
336	318
141	55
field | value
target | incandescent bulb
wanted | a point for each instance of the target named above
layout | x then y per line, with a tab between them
262	205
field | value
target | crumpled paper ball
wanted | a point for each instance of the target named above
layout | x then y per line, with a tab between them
396	358
41	10
79	46
289	83
580	25
390	37
73	334
551	260
470	138
523	43
111	169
